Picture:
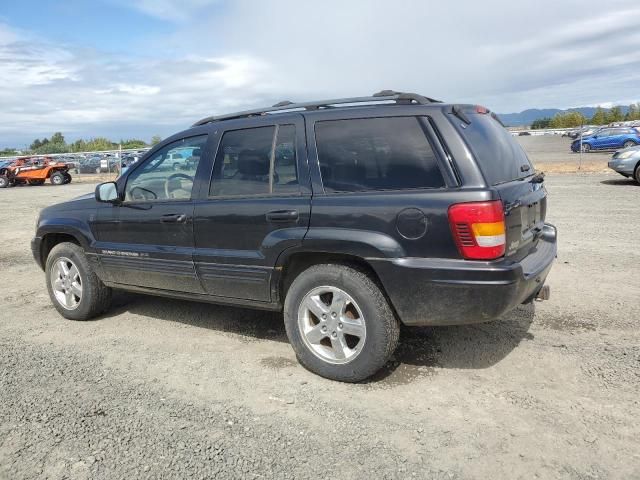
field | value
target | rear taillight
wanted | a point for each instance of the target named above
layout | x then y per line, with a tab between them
478	229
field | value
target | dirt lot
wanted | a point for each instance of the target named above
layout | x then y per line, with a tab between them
169	389
552	154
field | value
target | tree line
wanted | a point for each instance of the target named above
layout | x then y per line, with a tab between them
602	116
58	144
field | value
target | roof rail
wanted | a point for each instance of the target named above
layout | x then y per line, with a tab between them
382	96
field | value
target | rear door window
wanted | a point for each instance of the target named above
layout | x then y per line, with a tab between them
256	161
499	155
389	153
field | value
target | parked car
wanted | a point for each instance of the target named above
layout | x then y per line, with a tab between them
585	131
424	213
608	139
89	165
627	163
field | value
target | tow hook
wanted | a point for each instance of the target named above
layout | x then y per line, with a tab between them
544	293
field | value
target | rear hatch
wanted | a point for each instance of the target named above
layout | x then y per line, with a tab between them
506	168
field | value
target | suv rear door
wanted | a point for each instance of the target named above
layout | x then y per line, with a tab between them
381	185
507	169
257	204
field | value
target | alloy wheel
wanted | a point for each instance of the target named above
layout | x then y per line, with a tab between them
66	283
332	325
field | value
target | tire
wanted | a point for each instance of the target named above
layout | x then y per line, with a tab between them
36	182
586	148
628	144
636	173
67	178
4	181
57	178
365	306
94	298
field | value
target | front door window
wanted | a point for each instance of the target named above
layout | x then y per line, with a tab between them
169	174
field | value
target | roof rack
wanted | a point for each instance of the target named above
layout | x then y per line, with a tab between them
382	96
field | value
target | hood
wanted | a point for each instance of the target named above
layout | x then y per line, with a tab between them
86	201
86	196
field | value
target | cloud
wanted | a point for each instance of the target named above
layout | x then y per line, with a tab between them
84	92
222	56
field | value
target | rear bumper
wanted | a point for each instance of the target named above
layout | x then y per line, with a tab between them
454	292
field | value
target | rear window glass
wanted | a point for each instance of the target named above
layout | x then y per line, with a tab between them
498	153
389	153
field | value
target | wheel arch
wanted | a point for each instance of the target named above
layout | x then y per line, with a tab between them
50	240
291	265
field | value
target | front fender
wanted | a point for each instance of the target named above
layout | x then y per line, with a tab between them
77	228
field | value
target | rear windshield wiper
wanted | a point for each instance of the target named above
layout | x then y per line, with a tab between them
537	178
457	111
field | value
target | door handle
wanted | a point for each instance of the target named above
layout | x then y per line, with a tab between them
282	216
174	218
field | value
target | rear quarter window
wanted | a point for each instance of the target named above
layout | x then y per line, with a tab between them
390	153
499	155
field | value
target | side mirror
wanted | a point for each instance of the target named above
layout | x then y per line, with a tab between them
107	193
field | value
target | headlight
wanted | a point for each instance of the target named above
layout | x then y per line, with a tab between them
624	155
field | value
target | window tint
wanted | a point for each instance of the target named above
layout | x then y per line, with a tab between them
375	154
161	178
247	158
242	163
285	176
498	153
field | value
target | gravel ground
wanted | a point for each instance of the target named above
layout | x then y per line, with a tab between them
169	389
556	148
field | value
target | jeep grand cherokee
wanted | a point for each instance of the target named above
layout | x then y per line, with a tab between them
351	216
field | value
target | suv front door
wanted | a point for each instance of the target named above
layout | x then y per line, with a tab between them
147	240
258	204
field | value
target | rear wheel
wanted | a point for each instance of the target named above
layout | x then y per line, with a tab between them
36	182
75	290
57	178
629	143
586	147
339	323
4	181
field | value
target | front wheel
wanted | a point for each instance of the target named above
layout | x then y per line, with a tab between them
4	181
339	323
75	290
586	148
636	174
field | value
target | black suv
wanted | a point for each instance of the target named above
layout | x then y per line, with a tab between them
351	216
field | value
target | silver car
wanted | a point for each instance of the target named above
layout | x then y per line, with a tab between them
627	162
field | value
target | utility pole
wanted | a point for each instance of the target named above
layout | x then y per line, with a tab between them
581	131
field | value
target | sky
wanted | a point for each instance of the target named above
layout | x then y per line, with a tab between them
137	68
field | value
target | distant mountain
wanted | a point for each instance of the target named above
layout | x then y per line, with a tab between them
527	116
